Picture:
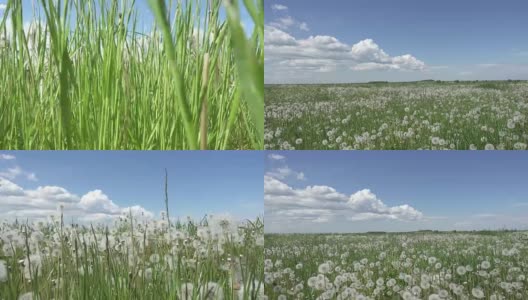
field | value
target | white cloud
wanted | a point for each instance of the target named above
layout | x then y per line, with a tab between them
371	66
283	172
323	53
97	201
3	6
309	64
323	204
369	205
274	36
16	171
275	156
323	43
44	201
285	22
368	50
31	177
279	7
7	156
11	173
8	188
300	176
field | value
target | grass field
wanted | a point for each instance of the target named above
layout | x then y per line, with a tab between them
87	75
421	265
214	258
401	116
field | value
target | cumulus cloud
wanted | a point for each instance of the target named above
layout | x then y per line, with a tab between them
45	201
275	156
3	6
288	22
11	173
282	171
323	53
322	204
285	21
16	171
97	201
274	36
31	177
279	7
7	156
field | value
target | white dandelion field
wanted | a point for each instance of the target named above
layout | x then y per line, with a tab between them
422	265
398	116
213	258
151	243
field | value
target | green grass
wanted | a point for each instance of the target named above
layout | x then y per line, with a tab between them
89	78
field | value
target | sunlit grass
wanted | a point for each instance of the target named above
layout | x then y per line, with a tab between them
84	76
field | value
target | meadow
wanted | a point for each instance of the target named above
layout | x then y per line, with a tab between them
426	115
420	265
214	258
93	75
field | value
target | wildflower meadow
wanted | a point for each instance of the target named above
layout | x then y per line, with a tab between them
420	265
426	115
213	258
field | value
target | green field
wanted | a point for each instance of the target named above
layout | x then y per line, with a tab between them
420	265
90	75
430	115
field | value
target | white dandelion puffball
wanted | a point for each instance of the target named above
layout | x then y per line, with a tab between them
3	271
324	268
477	293
485	265
461	270
26	296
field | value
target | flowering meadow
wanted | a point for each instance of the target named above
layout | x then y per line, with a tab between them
214	258
400	116
421	265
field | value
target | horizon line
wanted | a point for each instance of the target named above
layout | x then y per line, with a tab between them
403	232
409	81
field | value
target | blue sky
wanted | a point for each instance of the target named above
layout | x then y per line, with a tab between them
199	182
145	17
442	190
473	39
